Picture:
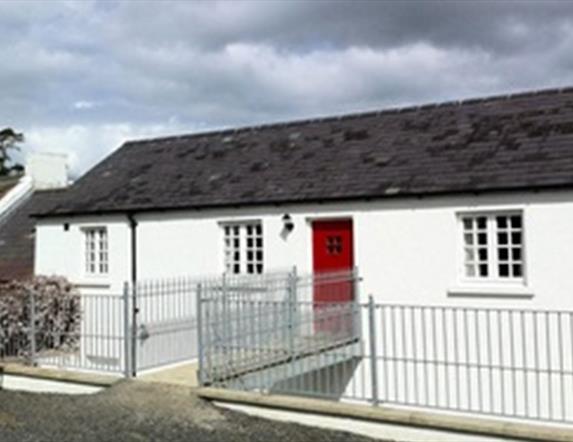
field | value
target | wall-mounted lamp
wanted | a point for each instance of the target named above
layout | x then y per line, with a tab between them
288	223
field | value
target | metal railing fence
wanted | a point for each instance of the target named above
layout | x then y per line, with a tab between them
99	343
255	323
85	332
278	333
511	363
508	362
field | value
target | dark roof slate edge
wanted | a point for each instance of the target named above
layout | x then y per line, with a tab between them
306	201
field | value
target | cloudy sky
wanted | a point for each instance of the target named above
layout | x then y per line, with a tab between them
83	76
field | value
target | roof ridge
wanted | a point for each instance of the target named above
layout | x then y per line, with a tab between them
355	115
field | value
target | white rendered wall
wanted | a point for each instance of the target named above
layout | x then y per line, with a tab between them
61	252
407	250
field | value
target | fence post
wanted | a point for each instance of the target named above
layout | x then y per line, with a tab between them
292	306
199	335
126	333
356	311
226	317
373	358
134	312
32	331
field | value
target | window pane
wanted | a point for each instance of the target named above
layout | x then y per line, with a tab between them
503	254
469	254
470	271
516	254
469	239
468	223
516	221
501	222
483	254
517	270
482	238
516	237
504	270
502	238
483	270
481	222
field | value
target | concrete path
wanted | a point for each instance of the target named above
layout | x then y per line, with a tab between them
376	430
181	374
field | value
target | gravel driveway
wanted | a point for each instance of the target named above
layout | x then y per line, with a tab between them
137	411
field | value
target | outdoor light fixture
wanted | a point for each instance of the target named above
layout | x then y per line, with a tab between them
288	224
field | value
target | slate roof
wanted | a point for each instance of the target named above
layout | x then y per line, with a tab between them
17	235
513	142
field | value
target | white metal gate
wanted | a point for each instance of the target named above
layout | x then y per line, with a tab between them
164	323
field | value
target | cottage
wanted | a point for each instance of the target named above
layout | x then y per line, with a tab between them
457	216
460	202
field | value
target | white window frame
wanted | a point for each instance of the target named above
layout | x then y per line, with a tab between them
493	277
100	265
251	258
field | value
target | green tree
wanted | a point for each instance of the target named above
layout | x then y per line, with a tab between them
9	140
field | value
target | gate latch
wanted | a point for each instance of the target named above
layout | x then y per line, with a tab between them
143	333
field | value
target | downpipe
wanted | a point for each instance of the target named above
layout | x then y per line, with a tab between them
134	306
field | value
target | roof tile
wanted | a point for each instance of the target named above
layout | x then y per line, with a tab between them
511	142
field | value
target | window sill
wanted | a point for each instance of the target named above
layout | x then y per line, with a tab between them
494	291
93	283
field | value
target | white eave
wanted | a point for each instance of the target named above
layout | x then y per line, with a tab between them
15	196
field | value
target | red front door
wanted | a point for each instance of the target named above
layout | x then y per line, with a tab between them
333	255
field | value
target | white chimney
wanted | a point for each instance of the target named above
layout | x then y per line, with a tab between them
47	170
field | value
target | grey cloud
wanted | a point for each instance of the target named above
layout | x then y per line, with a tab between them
493	25
162	67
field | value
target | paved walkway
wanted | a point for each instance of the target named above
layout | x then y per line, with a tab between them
181	374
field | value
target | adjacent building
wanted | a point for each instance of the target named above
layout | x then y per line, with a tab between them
43	182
